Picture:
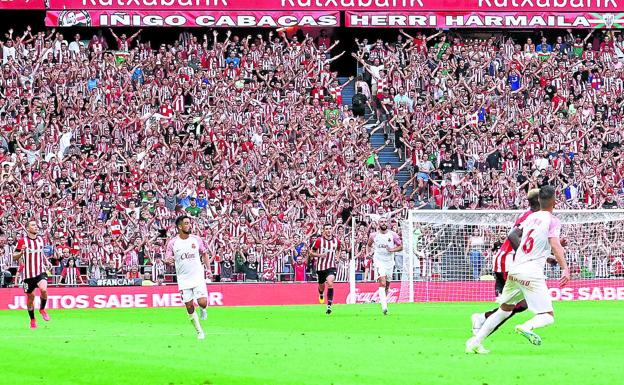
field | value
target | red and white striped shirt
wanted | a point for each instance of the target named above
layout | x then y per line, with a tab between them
158	269
34	262
329	249
500	259
71	275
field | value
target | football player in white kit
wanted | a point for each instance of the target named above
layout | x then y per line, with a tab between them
526	280
385	243
185	250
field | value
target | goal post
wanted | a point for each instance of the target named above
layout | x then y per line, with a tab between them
448	254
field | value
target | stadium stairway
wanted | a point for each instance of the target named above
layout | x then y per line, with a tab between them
387	155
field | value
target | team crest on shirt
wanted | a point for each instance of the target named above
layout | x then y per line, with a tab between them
192	245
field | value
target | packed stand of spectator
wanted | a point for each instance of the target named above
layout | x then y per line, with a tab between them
106	145
481	121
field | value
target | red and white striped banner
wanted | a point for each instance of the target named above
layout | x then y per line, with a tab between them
226	19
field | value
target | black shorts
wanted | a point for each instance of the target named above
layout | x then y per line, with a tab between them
30	284
501	278
323	274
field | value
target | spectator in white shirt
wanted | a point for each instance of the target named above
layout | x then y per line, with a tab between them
74	46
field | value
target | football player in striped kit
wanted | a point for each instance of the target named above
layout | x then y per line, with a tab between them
30	248
325	250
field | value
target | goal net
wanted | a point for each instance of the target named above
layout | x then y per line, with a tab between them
448	255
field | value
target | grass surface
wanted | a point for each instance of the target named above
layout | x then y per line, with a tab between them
415	344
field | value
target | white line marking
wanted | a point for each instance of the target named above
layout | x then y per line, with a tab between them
100	336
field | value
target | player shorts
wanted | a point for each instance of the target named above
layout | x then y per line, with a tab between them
323	274
500	283
535	292
383	268
30	284
192	293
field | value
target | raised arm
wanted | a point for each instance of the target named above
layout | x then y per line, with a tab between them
435	35
113	33
407	35
135	35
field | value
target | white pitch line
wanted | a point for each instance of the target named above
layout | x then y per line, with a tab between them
99	336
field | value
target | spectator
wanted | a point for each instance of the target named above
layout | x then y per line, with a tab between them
111	271
6	261
359	103
192	209
70	276
227	268
95	269
476	244
299	269
609	202
251	269
133	273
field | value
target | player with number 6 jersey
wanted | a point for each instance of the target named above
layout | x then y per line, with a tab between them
526	280
503	259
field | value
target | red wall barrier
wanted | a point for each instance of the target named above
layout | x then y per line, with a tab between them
294	294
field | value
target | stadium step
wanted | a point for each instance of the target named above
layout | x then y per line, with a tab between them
388	156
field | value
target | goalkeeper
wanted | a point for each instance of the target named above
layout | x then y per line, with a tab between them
503	259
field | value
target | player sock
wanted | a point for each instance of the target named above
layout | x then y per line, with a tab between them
387	286
321	293
489	313
330	295
31	313
539	321
520	307
204	312
195	321
491	323
43	303
382	297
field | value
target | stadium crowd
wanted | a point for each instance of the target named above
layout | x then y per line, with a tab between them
106	145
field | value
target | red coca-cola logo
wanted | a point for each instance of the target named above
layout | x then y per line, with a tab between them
373	296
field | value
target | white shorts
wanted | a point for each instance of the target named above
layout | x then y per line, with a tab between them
194	293
383	268
535	292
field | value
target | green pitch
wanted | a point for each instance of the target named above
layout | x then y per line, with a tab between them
415	344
